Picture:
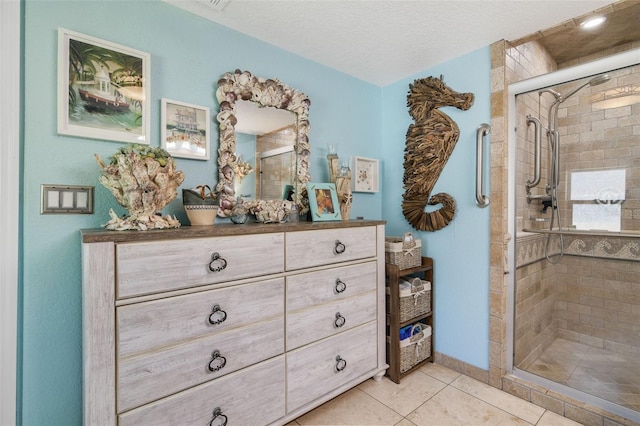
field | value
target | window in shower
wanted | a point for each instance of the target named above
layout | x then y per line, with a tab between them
597	198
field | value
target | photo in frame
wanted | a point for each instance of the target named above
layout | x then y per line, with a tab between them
185	130
103	89
323	201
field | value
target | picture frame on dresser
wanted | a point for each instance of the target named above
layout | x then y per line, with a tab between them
323	201
103	89
185	130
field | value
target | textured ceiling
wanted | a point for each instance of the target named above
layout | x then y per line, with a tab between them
382	42
568	41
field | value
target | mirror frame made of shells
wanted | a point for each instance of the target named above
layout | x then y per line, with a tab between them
242	85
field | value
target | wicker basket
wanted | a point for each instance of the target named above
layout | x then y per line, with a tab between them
416	348
405	252
415	298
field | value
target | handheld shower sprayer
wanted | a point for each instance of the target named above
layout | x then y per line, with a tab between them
595	81
554	169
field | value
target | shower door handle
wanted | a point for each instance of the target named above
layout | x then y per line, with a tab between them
482	131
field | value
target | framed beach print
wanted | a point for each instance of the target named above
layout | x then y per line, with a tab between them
185	130
323	201
103	89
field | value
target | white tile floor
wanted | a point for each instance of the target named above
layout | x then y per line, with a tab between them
432	395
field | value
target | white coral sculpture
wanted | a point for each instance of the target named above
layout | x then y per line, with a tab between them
143	180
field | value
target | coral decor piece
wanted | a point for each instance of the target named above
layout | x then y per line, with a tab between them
143	180
269	211
429	143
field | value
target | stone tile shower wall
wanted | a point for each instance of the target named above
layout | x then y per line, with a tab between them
578	306
593	139
511	63
598	302
274	172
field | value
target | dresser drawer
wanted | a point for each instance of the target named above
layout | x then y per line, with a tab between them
152	375
317	322
313	288
312	371
158	323
252	396
322	247
149	267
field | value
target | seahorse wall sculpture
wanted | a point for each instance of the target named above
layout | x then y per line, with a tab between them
429	144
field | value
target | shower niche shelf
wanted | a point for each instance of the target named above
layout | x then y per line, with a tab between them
586	232
395	323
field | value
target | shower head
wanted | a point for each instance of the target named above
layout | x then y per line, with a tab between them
599	79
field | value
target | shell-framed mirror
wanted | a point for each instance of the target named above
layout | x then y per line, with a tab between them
236	88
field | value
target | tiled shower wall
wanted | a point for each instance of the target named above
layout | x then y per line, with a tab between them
598	302
593	139
510	65
580	305
273	173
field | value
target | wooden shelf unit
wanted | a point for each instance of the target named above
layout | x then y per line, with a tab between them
393	275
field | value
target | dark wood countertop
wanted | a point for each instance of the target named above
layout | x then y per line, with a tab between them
216	230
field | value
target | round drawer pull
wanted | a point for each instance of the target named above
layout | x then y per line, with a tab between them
339	248
217	361
340	286
217	263
340	320
219	418
341	363
217	315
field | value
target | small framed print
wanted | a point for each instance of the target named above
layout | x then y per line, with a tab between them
323	201
185	130
103	89
365	175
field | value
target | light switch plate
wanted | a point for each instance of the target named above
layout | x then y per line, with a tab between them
66	199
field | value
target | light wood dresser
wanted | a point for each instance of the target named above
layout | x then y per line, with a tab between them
229	324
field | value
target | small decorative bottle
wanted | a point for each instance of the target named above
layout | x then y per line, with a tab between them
294	215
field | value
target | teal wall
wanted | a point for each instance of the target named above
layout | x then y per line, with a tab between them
461	249
188	55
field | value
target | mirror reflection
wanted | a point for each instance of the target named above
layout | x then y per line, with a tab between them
246	153
265	148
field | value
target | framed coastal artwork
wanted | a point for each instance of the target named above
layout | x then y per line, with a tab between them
323	201
365	172
185	130
103	89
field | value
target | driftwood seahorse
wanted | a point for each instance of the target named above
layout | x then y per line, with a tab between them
429	144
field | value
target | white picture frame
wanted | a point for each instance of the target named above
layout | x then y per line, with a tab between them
365	175
103	89
185	129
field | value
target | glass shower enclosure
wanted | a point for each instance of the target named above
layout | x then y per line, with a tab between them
576	245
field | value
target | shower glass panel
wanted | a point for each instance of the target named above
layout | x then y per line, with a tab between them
577	249
277	172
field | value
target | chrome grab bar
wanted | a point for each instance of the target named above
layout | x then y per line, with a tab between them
482	131
537	128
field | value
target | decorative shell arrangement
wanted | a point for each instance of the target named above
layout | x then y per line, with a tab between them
429	144
143	180
242	85
269	211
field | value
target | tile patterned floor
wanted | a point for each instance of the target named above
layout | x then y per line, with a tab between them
608	375
432	395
